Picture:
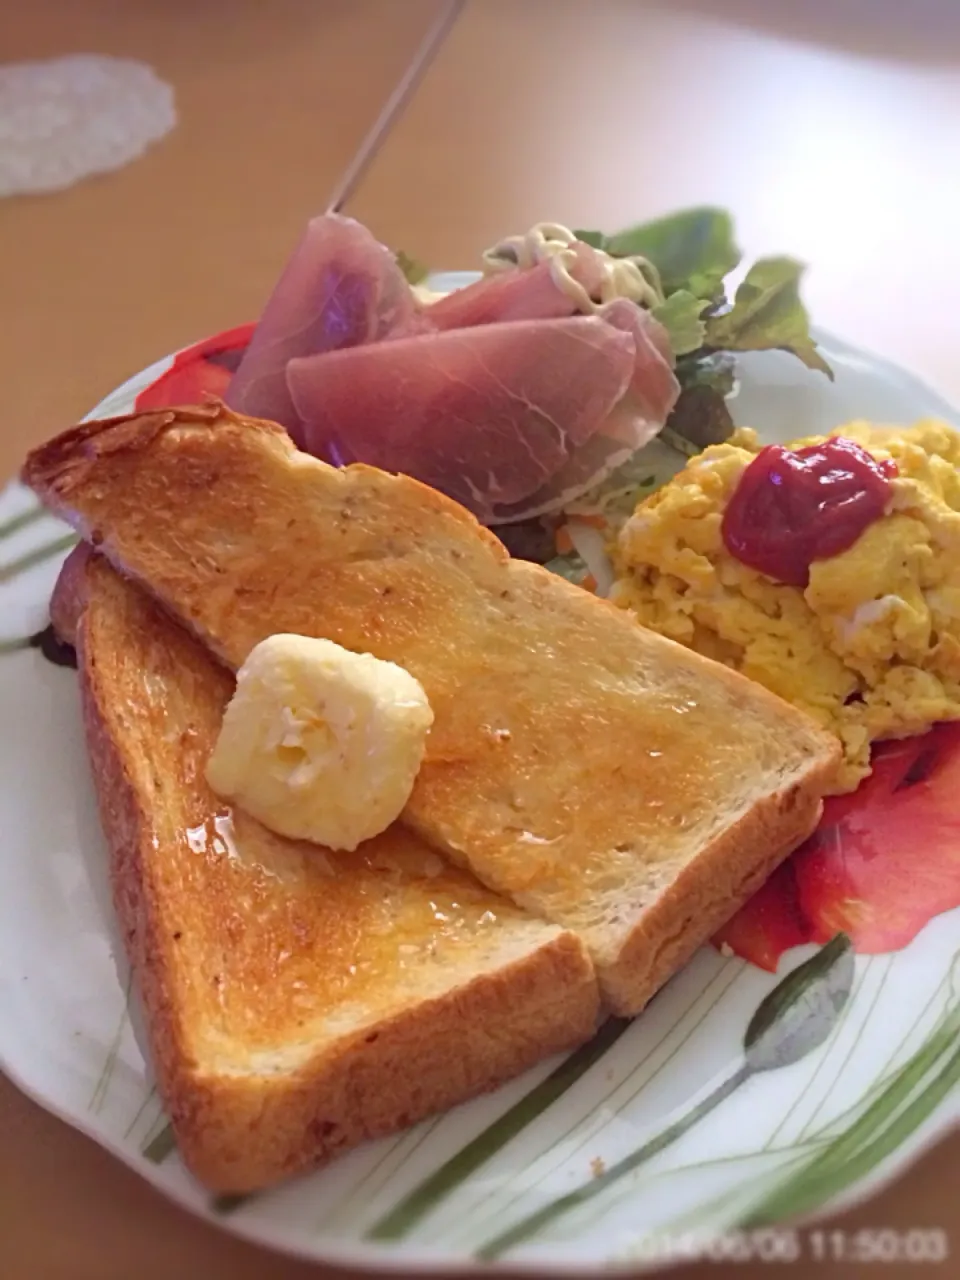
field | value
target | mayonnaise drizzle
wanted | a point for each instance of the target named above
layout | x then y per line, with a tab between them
634	278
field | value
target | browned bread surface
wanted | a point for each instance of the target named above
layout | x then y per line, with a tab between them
297	1001
598	774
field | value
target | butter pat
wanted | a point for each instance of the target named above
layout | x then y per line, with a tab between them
319	743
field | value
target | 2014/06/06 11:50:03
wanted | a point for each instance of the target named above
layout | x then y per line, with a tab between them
783	1245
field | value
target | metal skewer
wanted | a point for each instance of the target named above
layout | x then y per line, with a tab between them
393	108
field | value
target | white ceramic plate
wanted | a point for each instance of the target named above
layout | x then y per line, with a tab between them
666	1129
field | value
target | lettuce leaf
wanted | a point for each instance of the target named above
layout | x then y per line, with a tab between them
701	416
569	566
693	250
716	369
680	315
767	314
414	271
615	498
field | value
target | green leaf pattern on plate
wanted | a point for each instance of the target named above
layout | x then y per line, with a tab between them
795	1018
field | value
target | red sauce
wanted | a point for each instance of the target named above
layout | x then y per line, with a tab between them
793	507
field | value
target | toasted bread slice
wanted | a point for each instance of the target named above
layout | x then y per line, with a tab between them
297	1001
598	774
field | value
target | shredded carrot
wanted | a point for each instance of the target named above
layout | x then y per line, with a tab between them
596	522
589	582
563	541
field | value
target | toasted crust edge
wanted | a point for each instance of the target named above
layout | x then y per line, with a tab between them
62	462
241	1133
711	889
54	469
246	1133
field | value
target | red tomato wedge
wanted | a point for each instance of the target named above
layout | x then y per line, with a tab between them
883	862
198	373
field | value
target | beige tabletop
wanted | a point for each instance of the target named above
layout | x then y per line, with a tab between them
828	128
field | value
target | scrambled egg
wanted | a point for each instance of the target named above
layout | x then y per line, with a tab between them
871	647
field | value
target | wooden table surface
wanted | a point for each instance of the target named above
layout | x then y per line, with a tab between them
829	129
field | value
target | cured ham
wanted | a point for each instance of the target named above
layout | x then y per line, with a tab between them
515	294
487	415
632	422
341	288
500	395
653	387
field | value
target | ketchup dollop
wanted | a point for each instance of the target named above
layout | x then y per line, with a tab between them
792	507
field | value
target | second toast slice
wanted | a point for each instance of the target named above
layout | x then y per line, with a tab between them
297	1001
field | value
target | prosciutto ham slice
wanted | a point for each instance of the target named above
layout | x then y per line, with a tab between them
498	395
516	295
653	384
488	415
340	289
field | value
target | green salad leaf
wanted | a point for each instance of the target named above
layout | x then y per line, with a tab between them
569	566
595	239
714	369
701	416
680	315
414	271
693	249
767	314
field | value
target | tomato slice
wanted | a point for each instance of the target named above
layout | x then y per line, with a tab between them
198	373
883	862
